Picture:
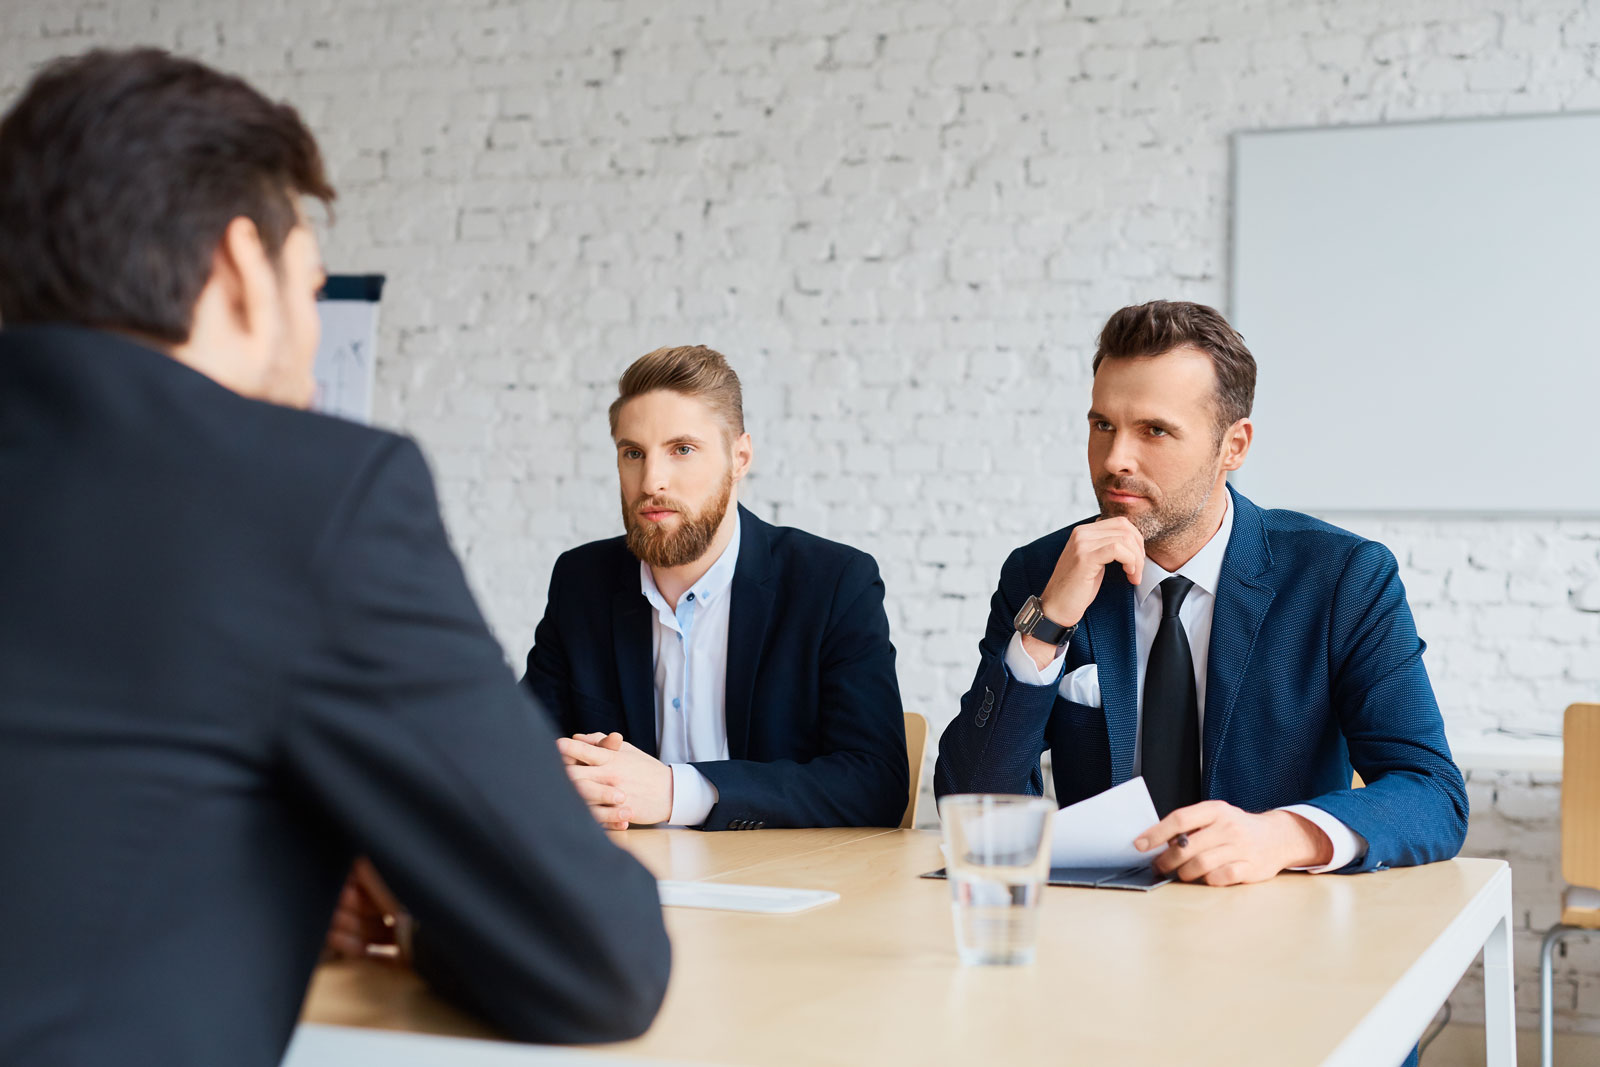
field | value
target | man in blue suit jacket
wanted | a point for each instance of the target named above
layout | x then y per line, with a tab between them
712	670
1243	660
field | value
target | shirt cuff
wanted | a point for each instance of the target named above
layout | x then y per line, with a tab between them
693	795
1024	670
1348	846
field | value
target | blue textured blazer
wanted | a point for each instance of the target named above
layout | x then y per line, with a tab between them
1315	667
816	734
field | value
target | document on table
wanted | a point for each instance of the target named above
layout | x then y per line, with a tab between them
1099	832
725	896
1091	842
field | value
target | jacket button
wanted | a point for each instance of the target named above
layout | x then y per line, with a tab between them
988	696
980	719
759	825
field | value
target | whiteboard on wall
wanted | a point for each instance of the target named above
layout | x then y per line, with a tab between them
1423	302
346	365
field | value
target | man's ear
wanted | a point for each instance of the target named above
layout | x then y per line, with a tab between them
1236	444
743	455
247	280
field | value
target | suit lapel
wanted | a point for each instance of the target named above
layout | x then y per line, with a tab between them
1243	598
1110	623
630	634
749	615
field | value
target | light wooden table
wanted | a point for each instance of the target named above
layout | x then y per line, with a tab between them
1301	970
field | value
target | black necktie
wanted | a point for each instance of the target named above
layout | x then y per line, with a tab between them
1171	744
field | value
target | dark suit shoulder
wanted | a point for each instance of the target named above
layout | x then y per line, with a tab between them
136	410
316	471
597	559
794	547
313	445
1296	537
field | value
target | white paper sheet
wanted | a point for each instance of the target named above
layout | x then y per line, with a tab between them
1099	832
726	896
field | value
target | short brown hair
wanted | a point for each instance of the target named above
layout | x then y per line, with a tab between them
119	173
1161	325
693	370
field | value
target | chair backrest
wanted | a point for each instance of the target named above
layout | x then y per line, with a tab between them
916	743
1580	795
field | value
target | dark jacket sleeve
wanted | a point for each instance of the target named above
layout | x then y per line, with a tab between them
863	777
1413	808
549	673
994	743
407	730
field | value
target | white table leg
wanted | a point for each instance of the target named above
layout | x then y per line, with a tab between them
1499	1002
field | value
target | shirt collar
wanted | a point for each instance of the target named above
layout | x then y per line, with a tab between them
1204	570
712	584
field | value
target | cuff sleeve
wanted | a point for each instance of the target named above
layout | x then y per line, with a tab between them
693	795
1348	846
1024	670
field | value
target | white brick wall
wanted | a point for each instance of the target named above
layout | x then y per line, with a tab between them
905	222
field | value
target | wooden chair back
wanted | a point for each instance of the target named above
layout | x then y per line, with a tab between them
916	745
1580	796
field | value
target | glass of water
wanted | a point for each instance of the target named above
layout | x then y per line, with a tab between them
997	853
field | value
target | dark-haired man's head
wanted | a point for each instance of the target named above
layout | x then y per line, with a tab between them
678	424
150	195
1173	387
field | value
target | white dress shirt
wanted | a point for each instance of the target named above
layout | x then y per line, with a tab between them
1083	684
689	654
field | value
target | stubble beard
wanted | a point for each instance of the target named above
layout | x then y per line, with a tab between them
654	545
1167	522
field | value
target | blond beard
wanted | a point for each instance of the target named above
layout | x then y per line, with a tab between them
696	530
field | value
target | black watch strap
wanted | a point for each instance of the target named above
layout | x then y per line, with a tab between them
1032	622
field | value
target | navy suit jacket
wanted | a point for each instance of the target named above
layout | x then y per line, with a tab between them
816	735
1315	667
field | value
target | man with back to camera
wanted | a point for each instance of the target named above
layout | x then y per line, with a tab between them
1242	660
713	670
235	647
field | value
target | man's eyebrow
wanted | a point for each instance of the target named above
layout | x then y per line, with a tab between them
680	439
1159	423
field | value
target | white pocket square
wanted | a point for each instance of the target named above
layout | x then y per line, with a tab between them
1082	686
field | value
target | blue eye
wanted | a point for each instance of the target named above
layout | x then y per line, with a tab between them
684	450
1156	431
631	453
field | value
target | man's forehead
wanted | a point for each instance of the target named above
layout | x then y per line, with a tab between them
663	415
1180	380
